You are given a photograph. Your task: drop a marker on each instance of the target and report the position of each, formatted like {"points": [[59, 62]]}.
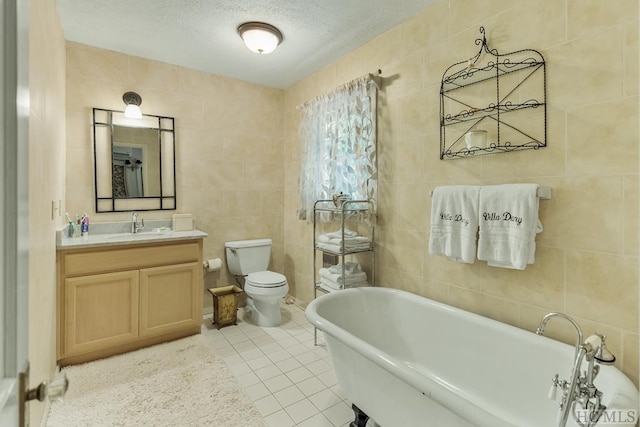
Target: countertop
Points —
{"points": [[115, 239]]}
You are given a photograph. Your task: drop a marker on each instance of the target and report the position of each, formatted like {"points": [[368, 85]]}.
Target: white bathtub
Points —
{"points": [[409, 361]]}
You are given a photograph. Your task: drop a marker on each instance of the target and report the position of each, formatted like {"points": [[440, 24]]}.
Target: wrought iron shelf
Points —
{"points": [[474, 114], [500, 84], [492, 148], [492, 70]]}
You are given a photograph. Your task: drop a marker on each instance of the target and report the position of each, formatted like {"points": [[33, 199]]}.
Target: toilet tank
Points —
{"points": [[248, 256]]}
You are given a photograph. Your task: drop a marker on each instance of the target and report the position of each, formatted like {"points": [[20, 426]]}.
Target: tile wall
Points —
{"points": [[587, 257], [229, 145], [234, 137]]}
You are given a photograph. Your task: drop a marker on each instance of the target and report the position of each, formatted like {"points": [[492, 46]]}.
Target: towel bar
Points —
{"points": [[542, 193]]}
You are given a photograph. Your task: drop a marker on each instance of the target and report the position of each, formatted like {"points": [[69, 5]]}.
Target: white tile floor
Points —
{"points": [[290, 380]]}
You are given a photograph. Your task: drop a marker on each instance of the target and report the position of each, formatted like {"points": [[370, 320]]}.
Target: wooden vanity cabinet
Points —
{"points": [[115, 299]]}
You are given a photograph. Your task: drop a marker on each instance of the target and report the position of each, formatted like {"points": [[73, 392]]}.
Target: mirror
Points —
{"points": [[134, 162]]}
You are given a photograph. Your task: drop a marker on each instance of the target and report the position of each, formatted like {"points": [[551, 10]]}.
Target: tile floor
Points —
{"points": [[290, 380]]}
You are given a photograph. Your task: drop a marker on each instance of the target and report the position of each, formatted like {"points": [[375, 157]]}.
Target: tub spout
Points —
{"points": [[549, 316]]}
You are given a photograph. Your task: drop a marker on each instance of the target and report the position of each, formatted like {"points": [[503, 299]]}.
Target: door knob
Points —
{"points": [[55, 389]]}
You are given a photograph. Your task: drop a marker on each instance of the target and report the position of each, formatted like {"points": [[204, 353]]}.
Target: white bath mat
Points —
{"points": [[180, 383]]}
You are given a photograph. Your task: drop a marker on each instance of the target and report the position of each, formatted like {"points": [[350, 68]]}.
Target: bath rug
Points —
{"points": [[180, 383]]}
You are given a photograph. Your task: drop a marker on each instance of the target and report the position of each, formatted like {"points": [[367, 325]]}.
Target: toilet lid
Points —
{"points": [[266, 279]]}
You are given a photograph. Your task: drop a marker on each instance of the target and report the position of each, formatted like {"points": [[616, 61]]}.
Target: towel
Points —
{"points": [[348, 279], [350, 241], [337, 248], [333, 286], [349, 268], [508, 225], [338, 234], [454, 222]]}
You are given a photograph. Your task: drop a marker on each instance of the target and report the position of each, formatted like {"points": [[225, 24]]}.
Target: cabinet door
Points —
{"points": [[170, 298], [100, 311]]}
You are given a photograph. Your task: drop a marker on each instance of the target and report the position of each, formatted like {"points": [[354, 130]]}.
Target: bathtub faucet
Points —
{"points": [[580, 390], [549, 316]]}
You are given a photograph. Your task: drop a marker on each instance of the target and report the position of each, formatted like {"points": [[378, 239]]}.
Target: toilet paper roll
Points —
{"points": [[214, 264]]}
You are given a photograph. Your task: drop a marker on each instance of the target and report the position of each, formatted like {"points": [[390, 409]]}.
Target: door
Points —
{"points": [[14, 203], [100, 311], [170, 299]]}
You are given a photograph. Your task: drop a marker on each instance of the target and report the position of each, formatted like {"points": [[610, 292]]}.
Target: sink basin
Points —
{"points": [[138, 236]]}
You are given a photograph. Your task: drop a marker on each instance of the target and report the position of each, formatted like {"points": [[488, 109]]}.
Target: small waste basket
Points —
{"points": [[225, 305]]}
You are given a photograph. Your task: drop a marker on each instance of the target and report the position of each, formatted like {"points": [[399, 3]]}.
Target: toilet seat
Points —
{"points": [[266, 279]]}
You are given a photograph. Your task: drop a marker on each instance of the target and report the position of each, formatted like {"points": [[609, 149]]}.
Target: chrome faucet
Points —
{"points": [[549, 316], [580, 390], [134, 223]]}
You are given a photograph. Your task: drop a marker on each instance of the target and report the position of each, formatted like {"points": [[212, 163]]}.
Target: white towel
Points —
{"points": [[349, 268], [349, 279], [337, 249], [323, 238], [331, 285], [338, 234], [508, 225], [350, 240], [454, 222]]}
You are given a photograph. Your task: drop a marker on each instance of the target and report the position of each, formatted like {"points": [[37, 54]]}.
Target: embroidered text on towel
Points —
{"points": [[506, 216], [455, 218]]}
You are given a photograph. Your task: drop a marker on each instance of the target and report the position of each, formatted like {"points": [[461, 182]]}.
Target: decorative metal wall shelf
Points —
{"points": [[502, 94]]}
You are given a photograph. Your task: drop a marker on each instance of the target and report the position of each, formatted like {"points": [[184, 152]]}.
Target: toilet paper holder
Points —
{"points": [[213, 264]]}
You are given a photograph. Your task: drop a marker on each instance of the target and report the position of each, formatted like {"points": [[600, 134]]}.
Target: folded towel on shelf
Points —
{"points": [[508, 225], [338, 234], [454, 222], [336, 248], [349, 268], [348, 279], [323, 238], [333, 286], [355, 240]]}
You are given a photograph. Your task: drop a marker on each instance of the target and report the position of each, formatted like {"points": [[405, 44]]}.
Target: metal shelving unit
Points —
{"points": [[342, 212]]}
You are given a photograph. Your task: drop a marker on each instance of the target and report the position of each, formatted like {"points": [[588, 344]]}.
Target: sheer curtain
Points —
{"points": [[338, 146]]}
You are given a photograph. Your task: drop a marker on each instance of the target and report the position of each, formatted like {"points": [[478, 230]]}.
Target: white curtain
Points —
{"points": [[133, 181], [338, 146]]}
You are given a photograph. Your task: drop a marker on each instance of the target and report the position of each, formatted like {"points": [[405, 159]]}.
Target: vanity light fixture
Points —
{"points": [[132, 101], [260, 37]]}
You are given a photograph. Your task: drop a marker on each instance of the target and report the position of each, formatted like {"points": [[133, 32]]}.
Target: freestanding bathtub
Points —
{"points": [[409, 361]]}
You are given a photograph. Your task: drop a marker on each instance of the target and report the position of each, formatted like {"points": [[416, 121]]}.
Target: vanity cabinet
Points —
{"points": [[119, 298], [170, 299]]}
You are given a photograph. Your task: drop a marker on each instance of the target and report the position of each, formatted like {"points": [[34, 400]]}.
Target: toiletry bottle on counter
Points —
{"points": [[76, 226], [70, 227], [85, 225]]}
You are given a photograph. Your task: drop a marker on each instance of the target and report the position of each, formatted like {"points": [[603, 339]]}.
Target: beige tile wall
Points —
{"points": [[229, 145], [587, 256], [46, 184], [233, 136]]}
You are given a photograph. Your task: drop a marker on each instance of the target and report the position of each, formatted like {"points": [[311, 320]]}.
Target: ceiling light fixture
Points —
{"points": [[132, 100], [260, 37]]}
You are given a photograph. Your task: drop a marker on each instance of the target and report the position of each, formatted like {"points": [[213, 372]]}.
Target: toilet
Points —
{"points": [[264, 288]]}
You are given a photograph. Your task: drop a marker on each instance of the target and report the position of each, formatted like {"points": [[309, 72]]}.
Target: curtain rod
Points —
{"points": [[370, 76]]}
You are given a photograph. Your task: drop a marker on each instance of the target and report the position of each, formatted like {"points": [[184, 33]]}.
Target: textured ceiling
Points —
{"points": [[201, 34]]}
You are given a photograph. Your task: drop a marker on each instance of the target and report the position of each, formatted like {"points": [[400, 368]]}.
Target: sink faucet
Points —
{"points": [[134, 223], [580, 389]]}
